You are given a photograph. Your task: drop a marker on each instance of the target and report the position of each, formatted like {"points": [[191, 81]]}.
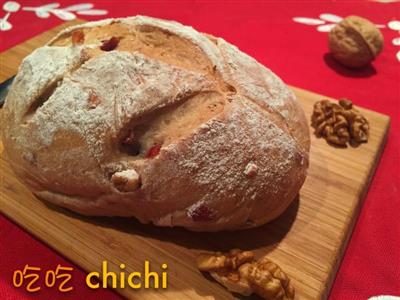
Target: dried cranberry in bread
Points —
{"points": [[149, 118]]}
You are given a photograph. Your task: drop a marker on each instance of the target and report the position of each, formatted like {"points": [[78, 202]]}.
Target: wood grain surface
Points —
{"points": [[307, 241]]}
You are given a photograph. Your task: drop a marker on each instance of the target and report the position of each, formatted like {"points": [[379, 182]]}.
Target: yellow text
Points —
{"points": [[121, 279]]}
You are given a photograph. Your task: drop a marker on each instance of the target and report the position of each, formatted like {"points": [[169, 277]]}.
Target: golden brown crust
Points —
{"points": [[161, 123]]}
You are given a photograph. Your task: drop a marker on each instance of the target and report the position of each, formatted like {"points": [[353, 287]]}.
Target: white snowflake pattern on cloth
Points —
{"points": [[44, 11], [385, 1], [395, 25], [384, 297]]}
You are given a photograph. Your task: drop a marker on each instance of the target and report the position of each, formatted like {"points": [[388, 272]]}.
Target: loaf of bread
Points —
{"points": [[149, 118]]}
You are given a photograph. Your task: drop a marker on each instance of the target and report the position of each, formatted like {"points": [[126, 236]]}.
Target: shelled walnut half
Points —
{"points": [[339, 123], [239, 272]]}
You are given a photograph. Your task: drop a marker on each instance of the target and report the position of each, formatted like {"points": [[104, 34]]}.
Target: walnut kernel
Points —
{"points": [[239, 272], [232, 260], [339, 123], [126, 181], [269, 281], [251, 169], [78, 37]]}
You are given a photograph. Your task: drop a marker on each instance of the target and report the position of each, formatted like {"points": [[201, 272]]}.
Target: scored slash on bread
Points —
{"points": [[200, 123]]}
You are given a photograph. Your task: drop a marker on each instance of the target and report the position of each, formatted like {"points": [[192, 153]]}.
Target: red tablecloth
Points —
{"points": [[297, 53]]}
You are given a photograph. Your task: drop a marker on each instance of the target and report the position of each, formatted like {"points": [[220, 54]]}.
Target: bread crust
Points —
{"points": [[233, 140]]}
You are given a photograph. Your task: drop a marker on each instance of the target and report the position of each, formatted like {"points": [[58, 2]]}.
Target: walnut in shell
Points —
{"points": [[355, 42], [239, 272]]}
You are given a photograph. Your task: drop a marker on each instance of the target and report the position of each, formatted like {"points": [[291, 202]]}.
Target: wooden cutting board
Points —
{"points": [[307, 241]]}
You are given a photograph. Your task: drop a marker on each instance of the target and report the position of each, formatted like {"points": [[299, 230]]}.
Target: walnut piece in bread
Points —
{"points": [[149, 118], [240, 273], [127, 180]]}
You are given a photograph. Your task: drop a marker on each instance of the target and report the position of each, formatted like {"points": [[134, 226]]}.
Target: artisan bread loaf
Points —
{"points": [[149, 118]]}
